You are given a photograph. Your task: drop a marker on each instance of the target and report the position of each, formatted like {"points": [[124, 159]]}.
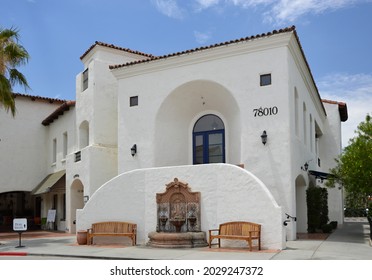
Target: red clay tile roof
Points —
{"points": [[58, 112], [116, 48], [152, 58], [342, 108], [34, 97]]}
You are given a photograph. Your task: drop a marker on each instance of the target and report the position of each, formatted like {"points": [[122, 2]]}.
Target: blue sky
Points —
{"points": [[336, 36]]}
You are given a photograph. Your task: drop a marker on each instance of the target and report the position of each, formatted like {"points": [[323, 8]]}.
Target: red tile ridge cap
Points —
{"points": [[36, 97], [333, 102], [97, 43]]}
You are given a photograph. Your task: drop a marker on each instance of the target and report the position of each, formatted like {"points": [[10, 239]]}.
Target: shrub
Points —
{"points": [[317, 208]]}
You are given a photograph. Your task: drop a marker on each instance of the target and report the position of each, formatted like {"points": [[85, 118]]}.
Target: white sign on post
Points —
{"points": [[20, 224], [51, 216]]}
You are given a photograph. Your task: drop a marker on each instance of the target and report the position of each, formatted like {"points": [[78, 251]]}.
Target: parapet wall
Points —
{"points": [[228, 193]]}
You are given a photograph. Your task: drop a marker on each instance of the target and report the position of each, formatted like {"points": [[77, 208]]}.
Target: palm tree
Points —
{"points": [[12, 55]]}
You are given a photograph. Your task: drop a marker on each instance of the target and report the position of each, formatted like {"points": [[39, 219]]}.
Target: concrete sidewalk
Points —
{"points": [[349, 241]]}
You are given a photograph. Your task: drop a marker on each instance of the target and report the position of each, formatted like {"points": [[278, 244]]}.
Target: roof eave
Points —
{"points": [[111, 46], [58, 112], [342, 108]]}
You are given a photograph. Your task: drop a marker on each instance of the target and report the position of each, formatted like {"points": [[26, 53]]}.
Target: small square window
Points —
{"points": [[265, 79], [133, 101]]}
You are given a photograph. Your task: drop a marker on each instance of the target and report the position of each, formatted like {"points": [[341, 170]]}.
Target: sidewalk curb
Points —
{"points": [[13, 254], [87, 257]]}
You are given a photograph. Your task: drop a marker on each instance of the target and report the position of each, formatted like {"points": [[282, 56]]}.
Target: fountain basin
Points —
{"points": [[177, 239], [178, 223]]}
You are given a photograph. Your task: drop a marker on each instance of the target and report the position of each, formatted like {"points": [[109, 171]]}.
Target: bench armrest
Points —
{"points": [[211, 230]]}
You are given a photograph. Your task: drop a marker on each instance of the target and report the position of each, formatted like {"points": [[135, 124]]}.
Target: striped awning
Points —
{"points": [[52, 182]]}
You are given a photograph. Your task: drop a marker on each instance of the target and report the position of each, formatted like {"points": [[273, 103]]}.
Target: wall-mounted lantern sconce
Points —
{"points": [[133, 150], [305, 167], [86, 198], [264, 137]]}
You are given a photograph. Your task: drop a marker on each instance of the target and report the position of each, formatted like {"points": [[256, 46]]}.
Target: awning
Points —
{"points": [[320, 175], [52, 182]]}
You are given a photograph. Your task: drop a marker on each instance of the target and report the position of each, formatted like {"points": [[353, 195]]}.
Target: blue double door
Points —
{"points": [[209, 140]]}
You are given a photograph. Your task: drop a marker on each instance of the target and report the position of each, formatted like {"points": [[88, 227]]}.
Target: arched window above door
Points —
{"points": [[209, 140]]}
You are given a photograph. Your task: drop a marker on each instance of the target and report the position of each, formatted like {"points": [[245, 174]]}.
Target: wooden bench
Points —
{"points": [[112, 229], [237, 230]]}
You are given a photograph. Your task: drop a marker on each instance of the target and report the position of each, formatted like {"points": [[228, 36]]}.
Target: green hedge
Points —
{"points": [[317, 208]]}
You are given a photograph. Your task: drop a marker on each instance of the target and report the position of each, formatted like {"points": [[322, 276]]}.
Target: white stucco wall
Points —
{"points": [[56, 131], [24, 157], [228, 193], [175, 92], [98, 103], [60, 130], [172, 98], [332, 148]]}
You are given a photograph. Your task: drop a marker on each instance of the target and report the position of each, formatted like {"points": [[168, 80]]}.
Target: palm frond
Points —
{"points": [[17, 78], [15, 55], [7, 34], [12, 55], [6, 95]]}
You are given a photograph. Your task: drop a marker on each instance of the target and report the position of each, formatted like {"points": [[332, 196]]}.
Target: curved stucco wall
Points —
{"points": [[178, 114], [228, 193]]}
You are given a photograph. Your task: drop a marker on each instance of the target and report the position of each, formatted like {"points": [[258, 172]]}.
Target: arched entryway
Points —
{"points": [[209, 140], [76, 201], [301, 206]]}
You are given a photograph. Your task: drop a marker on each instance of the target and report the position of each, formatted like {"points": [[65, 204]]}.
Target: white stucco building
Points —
{"points": [[177, 113]]}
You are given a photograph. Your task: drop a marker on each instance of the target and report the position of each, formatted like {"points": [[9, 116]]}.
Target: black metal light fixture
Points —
{"points": [[305, 167], [264, 137], [86, 198], [133, 150]]}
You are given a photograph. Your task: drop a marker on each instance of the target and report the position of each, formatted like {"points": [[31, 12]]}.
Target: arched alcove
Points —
{"points": [[84, 134], [178, 114], [76, 201], [301, 207]]}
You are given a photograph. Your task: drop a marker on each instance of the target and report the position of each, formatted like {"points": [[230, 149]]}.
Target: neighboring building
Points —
{"points": [[30, 153], [141, 120]]}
